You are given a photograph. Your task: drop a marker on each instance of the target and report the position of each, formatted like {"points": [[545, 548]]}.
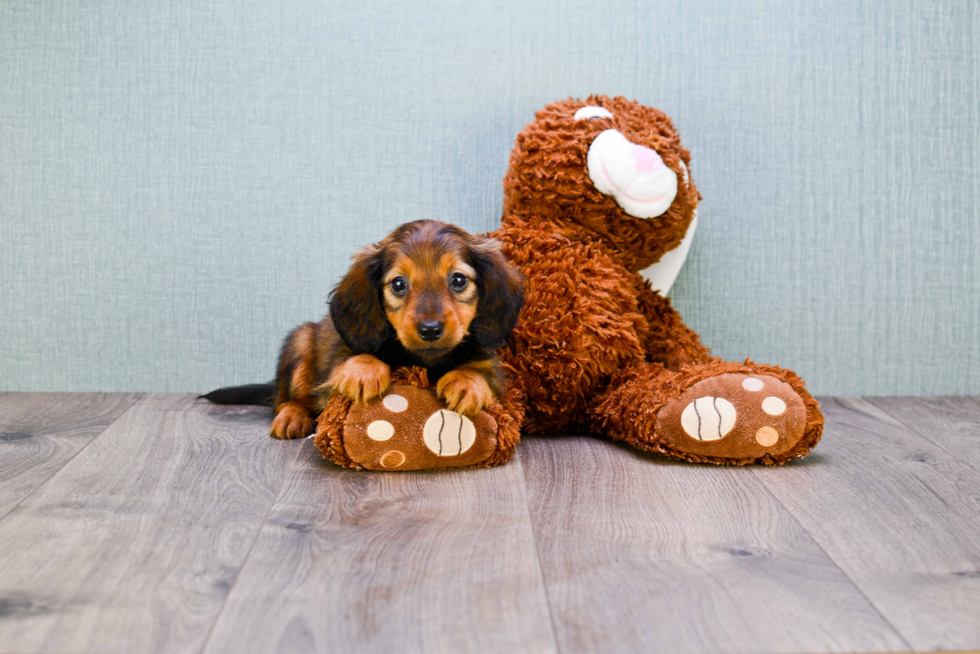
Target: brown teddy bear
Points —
{"points": [[597, 192]]}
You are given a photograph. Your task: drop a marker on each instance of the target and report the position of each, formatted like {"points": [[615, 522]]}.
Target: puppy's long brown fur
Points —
{"points": [[430, 295]]}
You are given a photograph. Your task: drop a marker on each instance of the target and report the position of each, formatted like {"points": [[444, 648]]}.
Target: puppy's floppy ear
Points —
{"points": [[355, 303], [501, 288]]}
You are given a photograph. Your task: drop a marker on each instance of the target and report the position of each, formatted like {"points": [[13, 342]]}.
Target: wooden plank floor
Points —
{"points": [[159, 523]]}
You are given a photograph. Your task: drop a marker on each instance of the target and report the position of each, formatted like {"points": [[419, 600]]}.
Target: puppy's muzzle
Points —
{"points": [[430, 330]]}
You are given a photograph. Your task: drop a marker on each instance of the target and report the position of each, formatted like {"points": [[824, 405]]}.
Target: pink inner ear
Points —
{"points": [[646, 159]]}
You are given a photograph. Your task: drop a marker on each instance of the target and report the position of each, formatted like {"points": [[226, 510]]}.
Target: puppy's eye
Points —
{"points": [[398, 286], [458, 281]]}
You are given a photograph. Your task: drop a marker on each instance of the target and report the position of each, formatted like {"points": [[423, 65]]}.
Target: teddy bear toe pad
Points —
{"points": [[734, 415], [411, 429]]}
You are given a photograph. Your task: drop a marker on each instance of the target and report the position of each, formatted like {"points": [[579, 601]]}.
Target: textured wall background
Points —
{"points": [[181, 183]]}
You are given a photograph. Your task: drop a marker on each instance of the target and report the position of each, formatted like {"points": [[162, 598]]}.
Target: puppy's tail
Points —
{"points": [[262, 394]]}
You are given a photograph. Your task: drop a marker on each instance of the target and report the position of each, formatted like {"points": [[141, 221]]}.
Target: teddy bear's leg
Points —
{"points": [[667, 339], [714, 412]]}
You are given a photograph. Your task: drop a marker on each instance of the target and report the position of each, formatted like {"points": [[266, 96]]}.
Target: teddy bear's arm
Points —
{"points": [[668, 340]]}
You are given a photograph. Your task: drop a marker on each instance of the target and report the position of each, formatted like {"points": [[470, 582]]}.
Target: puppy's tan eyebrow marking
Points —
{"points": [[450, 262], [467, 270], [398, 269]]}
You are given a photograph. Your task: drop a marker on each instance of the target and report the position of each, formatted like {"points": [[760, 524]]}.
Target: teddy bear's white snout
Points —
{"points": [[643, 185]]}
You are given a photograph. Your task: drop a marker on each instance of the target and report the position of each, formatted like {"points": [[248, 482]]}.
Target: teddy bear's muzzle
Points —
{"points": [[636, 176]]}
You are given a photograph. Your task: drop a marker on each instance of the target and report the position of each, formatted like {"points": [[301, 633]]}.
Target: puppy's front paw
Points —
{"points": [[464, 391], [361, 378], [292, 421]]}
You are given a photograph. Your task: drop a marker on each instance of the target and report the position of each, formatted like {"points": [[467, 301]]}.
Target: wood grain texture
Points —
{"points": [[40, 432], [183, 527], [640, 554], [898, 513], [350, 561], [952, 423], [133, 545]]}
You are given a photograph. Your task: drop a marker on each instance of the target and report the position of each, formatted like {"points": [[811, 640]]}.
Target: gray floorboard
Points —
{"points": [[439, 561], [952, 423], [134, 544], [164, 524], [900, 516], [641, 554], [41, 432]]}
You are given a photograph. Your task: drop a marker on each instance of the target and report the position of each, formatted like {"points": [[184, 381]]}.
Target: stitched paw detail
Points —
{"points": [[734, 415], [447, 433], [411, 429], [708, 418]]}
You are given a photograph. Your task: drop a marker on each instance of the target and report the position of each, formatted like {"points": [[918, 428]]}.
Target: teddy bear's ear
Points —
{"points": [[501, 288], [355, 304]]}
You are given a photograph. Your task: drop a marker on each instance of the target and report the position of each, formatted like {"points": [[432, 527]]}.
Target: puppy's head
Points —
{"points": [[430, 285]]}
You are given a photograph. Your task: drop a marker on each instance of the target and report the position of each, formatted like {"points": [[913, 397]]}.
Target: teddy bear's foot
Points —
{"points": [[410, 428], [734, 416], [715, 411]]}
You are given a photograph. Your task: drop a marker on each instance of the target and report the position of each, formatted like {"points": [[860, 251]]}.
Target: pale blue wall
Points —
{"points": [[182, 182]]}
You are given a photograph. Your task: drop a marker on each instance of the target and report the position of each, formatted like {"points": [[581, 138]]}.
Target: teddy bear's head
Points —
{"points": [[604, 167]]}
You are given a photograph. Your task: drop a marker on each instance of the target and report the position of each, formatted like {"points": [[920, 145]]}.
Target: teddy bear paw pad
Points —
{"points": [[447, 433], [411, 429], [734, 415]]}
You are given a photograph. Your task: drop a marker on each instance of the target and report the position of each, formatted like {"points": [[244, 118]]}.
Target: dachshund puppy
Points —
{"points": [[429, 295]]}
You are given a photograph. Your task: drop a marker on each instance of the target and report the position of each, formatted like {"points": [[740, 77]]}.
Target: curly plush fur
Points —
{"points": [[595, 347]]}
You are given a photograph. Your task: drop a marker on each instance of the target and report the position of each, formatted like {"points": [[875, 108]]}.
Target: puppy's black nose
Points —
{"points": [[430, 330]]}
